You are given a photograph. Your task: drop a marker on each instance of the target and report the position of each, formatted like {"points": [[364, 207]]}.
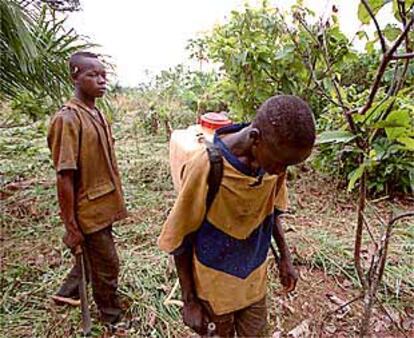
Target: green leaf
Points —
{"points": [[391, 32], [375, 5], [407, 141], [355, 176], [337, 136], [281, 54], [389, 124], [375, 112], [362, 35], [401, 118], [369, 46]]}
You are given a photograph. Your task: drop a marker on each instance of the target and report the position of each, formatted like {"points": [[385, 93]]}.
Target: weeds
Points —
{"points": [[34, 260]]}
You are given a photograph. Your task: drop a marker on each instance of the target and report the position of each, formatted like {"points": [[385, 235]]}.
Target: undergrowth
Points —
{"points": [[34, 260]]}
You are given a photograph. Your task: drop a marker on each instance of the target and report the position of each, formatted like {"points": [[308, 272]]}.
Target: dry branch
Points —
{"points": [[380, 35]]}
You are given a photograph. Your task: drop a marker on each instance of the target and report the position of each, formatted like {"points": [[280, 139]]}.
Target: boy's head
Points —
{"points": [[88, 74], [286, 133]]}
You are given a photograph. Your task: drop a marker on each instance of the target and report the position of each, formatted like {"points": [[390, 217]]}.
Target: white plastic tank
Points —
{"points": [[185, 142]]}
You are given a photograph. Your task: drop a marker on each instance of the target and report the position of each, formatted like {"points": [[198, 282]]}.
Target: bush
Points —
{"points": [[390, 161], [32, 106], [174, 99]]}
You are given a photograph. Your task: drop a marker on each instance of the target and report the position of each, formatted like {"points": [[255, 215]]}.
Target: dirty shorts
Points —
{"points": [[248, 322]]}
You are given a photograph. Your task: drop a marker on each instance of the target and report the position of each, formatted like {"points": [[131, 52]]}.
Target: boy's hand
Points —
{"points": [[194, 316], [73, 237], [288, 275]]}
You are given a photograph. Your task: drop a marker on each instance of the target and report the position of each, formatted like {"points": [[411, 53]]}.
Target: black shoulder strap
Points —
{"points": [[213, 180], [216, 172]]}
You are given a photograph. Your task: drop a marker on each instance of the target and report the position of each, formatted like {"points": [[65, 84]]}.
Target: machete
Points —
{"points": [[86, 315]]}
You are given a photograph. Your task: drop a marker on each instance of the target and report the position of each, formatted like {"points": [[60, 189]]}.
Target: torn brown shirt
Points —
{"points": [[80, 139]]}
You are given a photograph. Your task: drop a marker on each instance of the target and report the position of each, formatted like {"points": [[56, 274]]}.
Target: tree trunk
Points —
{"points": [[364, 329]]}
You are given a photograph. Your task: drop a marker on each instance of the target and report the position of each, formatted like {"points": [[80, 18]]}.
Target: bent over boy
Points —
{"points": [[89, 186], [220, 253]]}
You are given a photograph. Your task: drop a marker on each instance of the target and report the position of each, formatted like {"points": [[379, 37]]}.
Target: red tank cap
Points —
{"points": [[214, 120]]}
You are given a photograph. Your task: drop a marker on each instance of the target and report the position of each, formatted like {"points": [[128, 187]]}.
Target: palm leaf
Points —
{"points": [[35, 48]]}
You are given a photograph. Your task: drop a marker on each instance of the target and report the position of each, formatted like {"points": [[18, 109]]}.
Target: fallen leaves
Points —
{"points": [[277, 334], [300, 331], [408, 324], [343, 309]]}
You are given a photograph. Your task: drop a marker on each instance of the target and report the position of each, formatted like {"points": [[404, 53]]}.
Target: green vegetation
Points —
{"points": [[363, 102], [175, 97], [34, 48], [35, 260], [261, 55]]}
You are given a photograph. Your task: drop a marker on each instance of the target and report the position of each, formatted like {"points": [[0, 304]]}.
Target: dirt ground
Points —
{"points": [[319, 225]]}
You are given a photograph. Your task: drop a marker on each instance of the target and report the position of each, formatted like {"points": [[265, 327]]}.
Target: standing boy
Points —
{"points": [[89, 186], [220, 253]]}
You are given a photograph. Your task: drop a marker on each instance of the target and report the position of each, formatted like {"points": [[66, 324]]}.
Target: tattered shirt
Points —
{"points": [[80, 139], [230, 244]]}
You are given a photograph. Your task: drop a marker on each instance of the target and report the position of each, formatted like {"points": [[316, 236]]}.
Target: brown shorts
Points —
{"points": [[248, 322]]}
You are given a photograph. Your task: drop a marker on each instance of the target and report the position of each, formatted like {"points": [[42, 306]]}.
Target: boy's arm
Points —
{"points": [[66, 196], [288, 274], [64, 140], [184, 220], [193, 312]]}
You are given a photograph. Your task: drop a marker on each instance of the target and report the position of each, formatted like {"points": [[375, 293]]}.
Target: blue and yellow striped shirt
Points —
{"points": [[231, 242]]}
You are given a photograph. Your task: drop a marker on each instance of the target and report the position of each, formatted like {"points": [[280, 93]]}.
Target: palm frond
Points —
{"points": [[35, 47]]}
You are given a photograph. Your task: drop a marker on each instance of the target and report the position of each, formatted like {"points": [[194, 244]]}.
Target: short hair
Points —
{"points": [[74, 60], [287, 120]]}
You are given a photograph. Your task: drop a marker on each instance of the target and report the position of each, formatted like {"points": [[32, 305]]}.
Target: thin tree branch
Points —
{"points": [[403, 56], [269, 74], [321, 89], [310, 65], [403, 14], [368, 228], [328, 64], [359, 229], [385, 240], [377, 215], [402, 215], [402, 36], [325, 56], [351, 123], [385, 60], [380, 35], [390, 317], [394, 83], [339, 308]]}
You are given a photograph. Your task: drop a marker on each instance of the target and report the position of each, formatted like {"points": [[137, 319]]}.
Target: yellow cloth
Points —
{"points": [[240, 218]]}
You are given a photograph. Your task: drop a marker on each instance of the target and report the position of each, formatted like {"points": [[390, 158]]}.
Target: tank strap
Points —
{"points": [[216, 172]]}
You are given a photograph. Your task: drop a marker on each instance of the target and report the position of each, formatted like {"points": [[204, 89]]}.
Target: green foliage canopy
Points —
{"points": [[35, 47], [263, 52]]}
